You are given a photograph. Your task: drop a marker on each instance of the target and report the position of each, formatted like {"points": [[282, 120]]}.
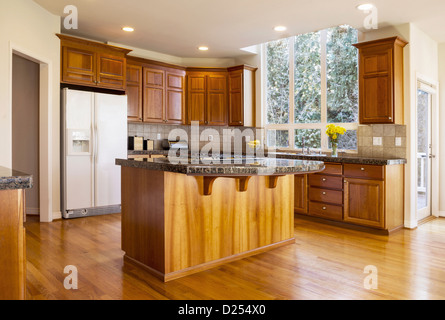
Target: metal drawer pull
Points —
{"points": [[324, 192], [324, 208], [363, 169], [324, 179]]}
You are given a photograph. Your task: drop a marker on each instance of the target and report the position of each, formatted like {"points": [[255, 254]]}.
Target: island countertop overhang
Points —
{"points": [[227, 167]]}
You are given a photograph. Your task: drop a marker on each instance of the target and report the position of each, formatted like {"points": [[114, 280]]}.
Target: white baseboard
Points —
{"points": [[441, 214], [410, 224], [57, 215]]}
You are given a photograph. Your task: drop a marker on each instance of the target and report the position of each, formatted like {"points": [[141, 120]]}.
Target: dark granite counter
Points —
{"points": [[230, 166], [347, 158], [12, 179]]}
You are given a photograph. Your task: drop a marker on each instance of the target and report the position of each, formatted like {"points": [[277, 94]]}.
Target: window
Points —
{"points": [[312, 80]]}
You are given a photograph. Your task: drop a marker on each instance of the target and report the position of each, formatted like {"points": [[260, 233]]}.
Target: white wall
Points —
{"points": [[27, 27], [441, 58]]}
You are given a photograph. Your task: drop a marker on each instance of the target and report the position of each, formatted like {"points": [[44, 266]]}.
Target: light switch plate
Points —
{"points": [[158, 136], [377, 141], [398, 141]]}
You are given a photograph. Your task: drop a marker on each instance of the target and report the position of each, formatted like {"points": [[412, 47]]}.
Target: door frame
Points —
{"points": [[433, 89], [45, 126]]}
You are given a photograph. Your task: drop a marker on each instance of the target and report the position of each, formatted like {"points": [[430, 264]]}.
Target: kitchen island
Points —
{"points": [[12, 233], [178, 219]]}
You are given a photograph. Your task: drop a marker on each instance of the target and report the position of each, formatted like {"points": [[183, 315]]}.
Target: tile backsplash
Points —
{"points": [[382, 140], [222, 135]]}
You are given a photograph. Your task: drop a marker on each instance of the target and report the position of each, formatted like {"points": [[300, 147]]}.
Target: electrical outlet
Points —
{"points": [[377, 141], [210, 137], [398, 141], [158, 136]]}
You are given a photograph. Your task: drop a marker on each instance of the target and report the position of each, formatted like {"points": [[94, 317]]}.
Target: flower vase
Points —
{"points": [[334, 150]]}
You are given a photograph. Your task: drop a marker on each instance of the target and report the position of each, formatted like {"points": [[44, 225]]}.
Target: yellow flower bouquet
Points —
{"points": [[333, 133]]}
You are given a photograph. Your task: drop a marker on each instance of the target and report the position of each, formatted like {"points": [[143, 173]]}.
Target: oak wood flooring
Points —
{"points": [[326, 262]]}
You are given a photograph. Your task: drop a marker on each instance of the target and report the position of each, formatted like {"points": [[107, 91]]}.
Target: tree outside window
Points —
{"points": [[312, 80]]}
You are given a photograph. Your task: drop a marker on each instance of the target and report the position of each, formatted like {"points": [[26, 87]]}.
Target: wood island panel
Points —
{"points": [[171, 229]]}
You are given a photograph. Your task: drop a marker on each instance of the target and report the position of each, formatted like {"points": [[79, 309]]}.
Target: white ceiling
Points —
{"points": [[178, 27]]}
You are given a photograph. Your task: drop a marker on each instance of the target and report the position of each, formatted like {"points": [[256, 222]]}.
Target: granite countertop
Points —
{"points": [[346, 158], [12, 179], [226, 165]]}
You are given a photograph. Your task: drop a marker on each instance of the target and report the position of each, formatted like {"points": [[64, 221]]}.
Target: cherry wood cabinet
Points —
{"points": [[207, 97], [365, 195], [157, 92], [241, 96], [381, 81], [134, 92], [92, 64]]}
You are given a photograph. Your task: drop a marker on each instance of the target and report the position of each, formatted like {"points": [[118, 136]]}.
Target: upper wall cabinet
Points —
{"points": [[242, 96], [381, 81], [207, 96], [92, 64], [155, 91]]}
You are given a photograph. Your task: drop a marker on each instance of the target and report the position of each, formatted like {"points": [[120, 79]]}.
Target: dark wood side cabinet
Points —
{"points": [[381, 81], [241, 96], [92, 64]]}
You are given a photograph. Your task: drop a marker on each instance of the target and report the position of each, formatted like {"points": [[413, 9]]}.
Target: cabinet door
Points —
{"points": [[78, 66], [111, 71], [300, 193], [376, 92], [236, 99], [175, 102], [216, 100], [134, 92], [154, 86], [196, 98], [364, 202]]}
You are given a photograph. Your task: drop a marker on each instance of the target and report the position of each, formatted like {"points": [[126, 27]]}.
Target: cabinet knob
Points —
{"points": [[390, 118], [324, 192], [324, 179], [324, 208], [363, 169]]}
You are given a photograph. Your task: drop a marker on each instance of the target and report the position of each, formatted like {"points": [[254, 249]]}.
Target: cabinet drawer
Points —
{"points": [[326, 195], [325, 181], [326, 210], [364, 171], [332, 168]]}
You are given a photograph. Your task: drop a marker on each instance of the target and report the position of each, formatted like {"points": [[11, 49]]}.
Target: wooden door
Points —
{"points": [[154, 87], [364, 202], [175, 102], [111, 71], [134, 92], [300, 193], [78, 66], [236, 99], [196, 97], [216, 111], [376, 85]]}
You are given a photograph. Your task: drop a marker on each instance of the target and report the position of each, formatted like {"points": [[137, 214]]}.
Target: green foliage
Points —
{"points": [[342, 78], [278, 81], [307, 78]]}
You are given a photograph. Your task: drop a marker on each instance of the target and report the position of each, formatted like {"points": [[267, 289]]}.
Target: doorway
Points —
{"points": [[425, 148], [25, 125]]}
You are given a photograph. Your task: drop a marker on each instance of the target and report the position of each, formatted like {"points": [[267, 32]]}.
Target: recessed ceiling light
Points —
{"points": [[365, 7], [128, 29], [203, 48], [280, 28]]}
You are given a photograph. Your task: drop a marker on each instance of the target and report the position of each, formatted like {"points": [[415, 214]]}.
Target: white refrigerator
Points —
{"points": [[94, 134]]}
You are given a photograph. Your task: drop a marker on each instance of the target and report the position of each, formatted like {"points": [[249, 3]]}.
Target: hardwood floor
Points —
{"points": [[326, 262]]}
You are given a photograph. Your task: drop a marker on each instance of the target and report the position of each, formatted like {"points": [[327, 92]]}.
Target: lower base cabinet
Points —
{"points": [[365, 195]]}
